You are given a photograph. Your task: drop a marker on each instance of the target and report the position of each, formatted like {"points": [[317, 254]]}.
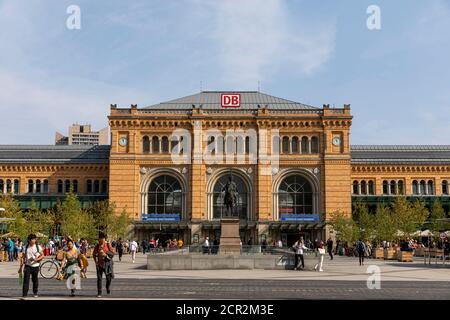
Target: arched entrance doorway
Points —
{"points": [[218, 195]]}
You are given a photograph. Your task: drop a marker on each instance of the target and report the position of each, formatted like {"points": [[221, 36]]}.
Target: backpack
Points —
{"points": [[361, 247]]}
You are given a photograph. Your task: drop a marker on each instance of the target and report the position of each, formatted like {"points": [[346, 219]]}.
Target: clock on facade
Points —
{"points": [[336, 141], [123, 142]]}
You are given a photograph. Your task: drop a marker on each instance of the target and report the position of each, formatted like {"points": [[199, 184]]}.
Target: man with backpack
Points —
{"points": [[361, 249], [31, 259], [103, 254], [299, 248]]}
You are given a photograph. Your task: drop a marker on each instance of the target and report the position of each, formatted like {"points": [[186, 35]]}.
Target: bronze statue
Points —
{"points": [[231, 196]]}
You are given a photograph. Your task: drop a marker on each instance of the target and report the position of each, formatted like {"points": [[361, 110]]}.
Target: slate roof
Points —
{"points": [[54, 154], [407, 154], [249, 101]]}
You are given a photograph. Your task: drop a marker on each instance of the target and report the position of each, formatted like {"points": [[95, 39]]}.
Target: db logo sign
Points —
{"points": [[231, 100]]}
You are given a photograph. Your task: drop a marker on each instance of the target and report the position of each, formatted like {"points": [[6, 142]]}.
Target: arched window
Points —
{"points": [[8, 186], [393, 187], [295, 196], [371, 187], [295, 148], [104, 186], [355, 187], [247, 145], [314, 145], [2, 186], [30, 186], [401, 189], [240, 145], [89, 186], [385, 187], [96, 186], [445, 187], [155, 144], [16, 187], [75, 186], [430, 187], [165, 145], [45, 187], [363, 187], [422, 187], [174, 144], [67, 186], [415, 187], [285, 145], [165, 196], [60, 186], [305, 145], [146, 144], [276, 144], [211, 144], [219, 208], [38, 186], [230, 145]]}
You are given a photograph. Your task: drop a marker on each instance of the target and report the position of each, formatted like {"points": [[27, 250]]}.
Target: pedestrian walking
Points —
{"points": [[11, 250], [30, 259], [361, 249], [103, 255], [321, 254], [299, 248], [330, 247], [120, 248], [70, 265], [133, 249], [206, 246]]}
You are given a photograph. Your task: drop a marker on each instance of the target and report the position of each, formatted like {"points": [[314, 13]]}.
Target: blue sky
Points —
{"points": [[396, 79]]}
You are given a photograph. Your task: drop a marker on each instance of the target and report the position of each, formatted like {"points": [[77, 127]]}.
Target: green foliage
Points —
{"points": [[408, 217], [436, 213], [345, 227], [75, 222], [384, 226], [364, 221], [38, 221]]}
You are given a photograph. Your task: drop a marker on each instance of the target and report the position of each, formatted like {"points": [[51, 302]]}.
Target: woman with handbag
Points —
{"points": [[321, 254], [70, 265], [102, 254]]}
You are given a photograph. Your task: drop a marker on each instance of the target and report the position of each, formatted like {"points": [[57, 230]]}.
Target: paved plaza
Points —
{"points": [[342, 278]]}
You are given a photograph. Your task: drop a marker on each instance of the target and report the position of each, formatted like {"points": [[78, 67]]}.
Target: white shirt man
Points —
{"points": [[299, 247], [32, 254], [133, 249], [280, 244]]}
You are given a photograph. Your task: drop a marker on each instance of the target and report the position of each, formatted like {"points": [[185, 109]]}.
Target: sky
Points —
{"points": [[396, 79]]}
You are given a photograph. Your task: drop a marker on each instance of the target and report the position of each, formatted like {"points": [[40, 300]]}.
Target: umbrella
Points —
{"points": [[9, 235], [426, 233], [41, 235]]}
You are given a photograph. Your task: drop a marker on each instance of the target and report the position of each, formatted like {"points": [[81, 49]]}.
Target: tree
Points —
{"points": [[12, 210], [119, 226], [38, 221], [364, 221], [384, 226], [75, 222], [408, 217], [437, 214], [345, 227]]}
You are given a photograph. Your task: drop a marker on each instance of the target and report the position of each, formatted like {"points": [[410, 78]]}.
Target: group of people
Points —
{"points": [[10, 249], [300, 248], [159, 245], [73, 260]]}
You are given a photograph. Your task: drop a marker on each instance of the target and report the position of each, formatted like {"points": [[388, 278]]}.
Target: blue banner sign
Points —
{"points": [[161, 217], [300, 217]]}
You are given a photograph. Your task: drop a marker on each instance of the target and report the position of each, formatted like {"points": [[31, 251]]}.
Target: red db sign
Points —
{"points": [[231, 100]]}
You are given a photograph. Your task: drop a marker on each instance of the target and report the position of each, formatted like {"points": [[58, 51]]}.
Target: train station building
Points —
{"points": [[168, 163]]}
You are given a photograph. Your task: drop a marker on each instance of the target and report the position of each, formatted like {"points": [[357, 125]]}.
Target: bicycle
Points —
{"points": [[49, 268]]}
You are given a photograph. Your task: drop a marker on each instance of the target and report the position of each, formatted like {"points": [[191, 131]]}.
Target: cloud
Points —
{"points": [[257, 39], [36, 108]]}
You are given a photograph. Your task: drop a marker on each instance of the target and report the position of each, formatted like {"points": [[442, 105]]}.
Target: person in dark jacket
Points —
{"points": [[330, 247], [361, 249]]}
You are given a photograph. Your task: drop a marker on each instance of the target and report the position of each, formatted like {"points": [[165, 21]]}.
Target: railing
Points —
{"points": [[215, 249]]}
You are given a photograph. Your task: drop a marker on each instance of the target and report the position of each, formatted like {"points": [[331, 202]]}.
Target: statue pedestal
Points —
{"points": [[230, 241]]}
